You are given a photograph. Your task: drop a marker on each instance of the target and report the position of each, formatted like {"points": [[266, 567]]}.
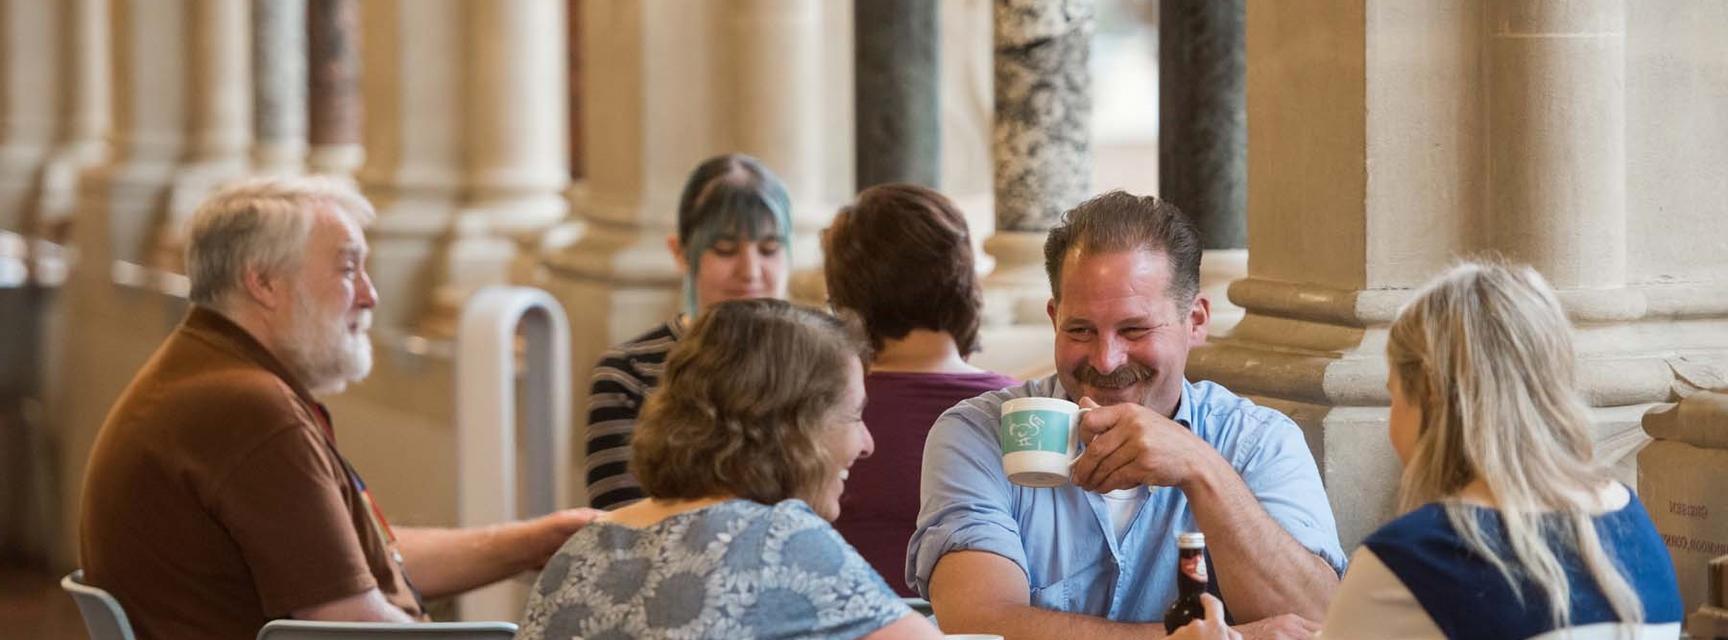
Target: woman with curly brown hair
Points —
{"points": [[743, 453], [900, 257]]}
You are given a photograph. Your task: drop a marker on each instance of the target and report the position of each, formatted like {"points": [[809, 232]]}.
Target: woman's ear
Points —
{"points": [[677, 250]]}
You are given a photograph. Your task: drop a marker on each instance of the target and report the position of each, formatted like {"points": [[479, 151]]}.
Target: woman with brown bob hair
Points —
{"points": [[900, 257], [743, 452]]}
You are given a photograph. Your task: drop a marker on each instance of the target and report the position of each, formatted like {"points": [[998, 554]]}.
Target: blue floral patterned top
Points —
{"points": [[736, 569]]}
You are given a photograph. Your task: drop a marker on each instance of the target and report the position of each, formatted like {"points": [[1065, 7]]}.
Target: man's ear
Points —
{"points": [[677, 250], [1050, 308], [266, 291], [1199, 320]]}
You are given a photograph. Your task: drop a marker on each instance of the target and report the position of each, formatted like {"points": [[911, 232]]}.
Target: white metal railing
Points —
{"points": [[487, 469]]}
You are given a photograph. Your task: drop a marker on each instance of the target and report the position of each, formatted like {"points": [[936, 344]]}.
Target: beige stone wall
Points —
{"points": [[1677, 147], [1387, 139]]}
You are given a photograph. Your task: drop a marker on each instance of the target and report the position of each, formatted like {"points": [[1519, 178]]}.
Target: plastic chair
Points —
{"points": [[103, 617], [316, 630]]}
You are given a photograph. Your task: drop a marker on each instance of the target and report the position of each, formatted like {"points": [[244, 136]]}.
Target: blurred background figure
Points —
{"points": [[901, 258], [734, 219]]}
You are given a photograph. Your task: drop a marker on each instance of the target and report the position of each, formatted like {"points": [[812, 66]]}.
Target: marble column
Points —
{"points": [[333, 60], [897, 85], [279, 60], [1042, 144], [219, 108], [414, 170], [1378, 161], [1202, 116], [517, 160]]}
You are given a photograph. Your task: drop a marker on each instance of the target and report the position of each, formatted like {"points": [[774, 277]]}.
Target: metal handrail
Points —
{"points": [[486, 423]]}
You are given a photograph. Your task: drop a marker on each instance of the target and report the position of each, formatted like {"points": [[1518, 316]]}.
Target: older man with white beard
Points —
{"points": [[216, 498]]}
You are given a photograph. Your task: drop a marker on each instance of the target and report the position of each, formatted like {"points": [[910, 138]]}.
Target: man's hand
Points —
{"points": [[1128, 445], [1211, 627], [1285, 627], [546, 534]]}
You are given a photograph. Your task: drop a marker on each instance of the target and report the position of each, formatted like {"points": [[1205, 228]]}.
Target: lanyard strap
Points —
{"points": [[380, 524]]}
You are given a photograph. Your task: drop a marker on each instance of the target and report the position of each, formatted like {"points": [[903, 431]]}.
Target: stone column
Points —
{"points": [[414, 171], [279, 59], [1202, 116], [29, 108], [151, 85], [647, 118], [1375, 156], [518, 158], [573, 13], [83, 135], [1557, 176], [219, 107], [897, 84], [1042, 144], [774, 47], [333, 58]]}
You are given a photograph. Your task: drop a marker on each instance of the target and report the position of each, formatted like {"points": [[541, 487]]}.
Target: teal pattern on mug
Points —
{"points": [[1035, 430]]}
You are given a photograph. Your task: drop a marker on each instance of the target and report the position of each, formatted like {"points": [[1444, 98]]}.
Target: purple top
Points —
{"points": [[879, 510]]}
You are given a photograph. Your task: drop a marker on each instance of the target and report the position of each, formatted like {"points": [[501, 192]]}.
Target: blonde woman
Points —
{"points": [[1513, 529], [1508, 512], [743, 453]]}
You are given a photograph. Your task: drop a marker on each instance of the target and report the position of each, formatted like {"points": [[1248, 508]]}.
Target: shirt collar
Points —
{"points": [[211, 326], [1185, 412]]}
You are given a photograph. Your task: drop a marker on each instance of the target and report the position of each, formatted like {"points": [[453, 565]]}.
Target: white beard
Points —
{"points": [[321, 350]]}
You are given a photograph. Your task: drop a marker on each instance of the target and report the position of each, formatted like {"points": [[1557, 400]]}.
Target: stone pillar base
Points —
{"points": [[1017, 290], [1319, 355], [336, 160]]}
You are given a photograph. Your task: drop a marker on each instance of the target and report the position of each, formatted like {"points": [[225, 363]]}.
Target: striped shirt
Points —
{"points": [[621, 381]]}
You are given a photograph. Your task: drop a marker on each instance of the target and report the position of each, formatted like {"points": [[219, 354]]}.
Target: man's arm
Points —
{"points": [[366, 606], [1262, 570], [444, 562], [981, 592]]}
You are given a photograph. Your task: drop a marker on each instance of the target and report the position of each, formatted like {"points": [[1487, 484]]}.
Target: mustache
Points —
{"points": [[1124, 376]]}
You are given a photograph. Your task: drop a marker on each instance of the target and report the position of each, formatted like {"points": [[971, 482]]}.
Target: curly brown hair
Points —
{"points": [[901, 258], [744, 404]]}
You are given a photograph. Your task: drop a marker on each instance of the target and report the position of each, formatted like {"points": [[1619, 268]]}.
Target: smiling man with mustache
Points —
{"points": [[1160, 456]]}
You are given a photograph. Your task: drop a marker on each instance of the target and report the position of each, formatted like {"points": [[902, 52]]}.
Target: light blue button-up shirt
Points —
{"points": [[1062, 537]]}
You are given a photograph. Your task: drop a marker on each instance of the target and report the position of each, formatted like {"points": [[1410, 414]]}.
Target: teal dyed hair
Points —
{"points": [[729, 196]]}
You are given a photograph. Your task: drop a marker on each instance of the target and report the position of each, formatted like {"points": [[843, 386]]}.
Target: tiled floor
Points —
{"points": [[32, 607]]}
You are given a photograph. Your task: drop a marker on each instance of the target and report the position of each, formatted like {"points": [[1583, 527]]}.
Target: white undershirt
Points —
{"points": [[1122, 504]]}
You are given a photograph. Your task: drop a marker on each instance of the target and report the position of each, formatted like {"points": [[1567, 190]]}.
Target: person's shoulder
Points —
{"points": [[1214, 401], [214, 393], [1423, 531], [652, 344], [790, 514]]}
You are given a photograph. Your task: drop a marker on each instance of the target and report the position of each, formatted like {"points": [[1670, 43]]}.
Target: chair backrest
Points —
{"points": [[103, 617], [315, 630]]}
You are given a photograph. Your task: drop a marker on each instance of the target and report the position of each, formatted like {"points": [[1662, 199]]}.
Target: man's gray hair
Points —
{"points": [[260, 224]]}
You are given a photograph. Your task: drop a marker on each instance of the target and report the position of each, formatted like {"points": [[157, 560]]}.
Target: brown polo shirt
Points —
{"points": [[215, 499]]}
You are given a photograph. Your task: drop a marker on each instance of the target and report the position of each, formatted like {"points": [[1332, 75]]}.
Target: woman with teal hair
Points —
{"points": [[732, 243]]}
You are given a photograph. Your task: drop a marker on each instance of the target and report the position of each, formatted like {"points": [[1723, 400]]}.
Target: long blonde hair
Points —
{"points": [[1486, 351]]}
